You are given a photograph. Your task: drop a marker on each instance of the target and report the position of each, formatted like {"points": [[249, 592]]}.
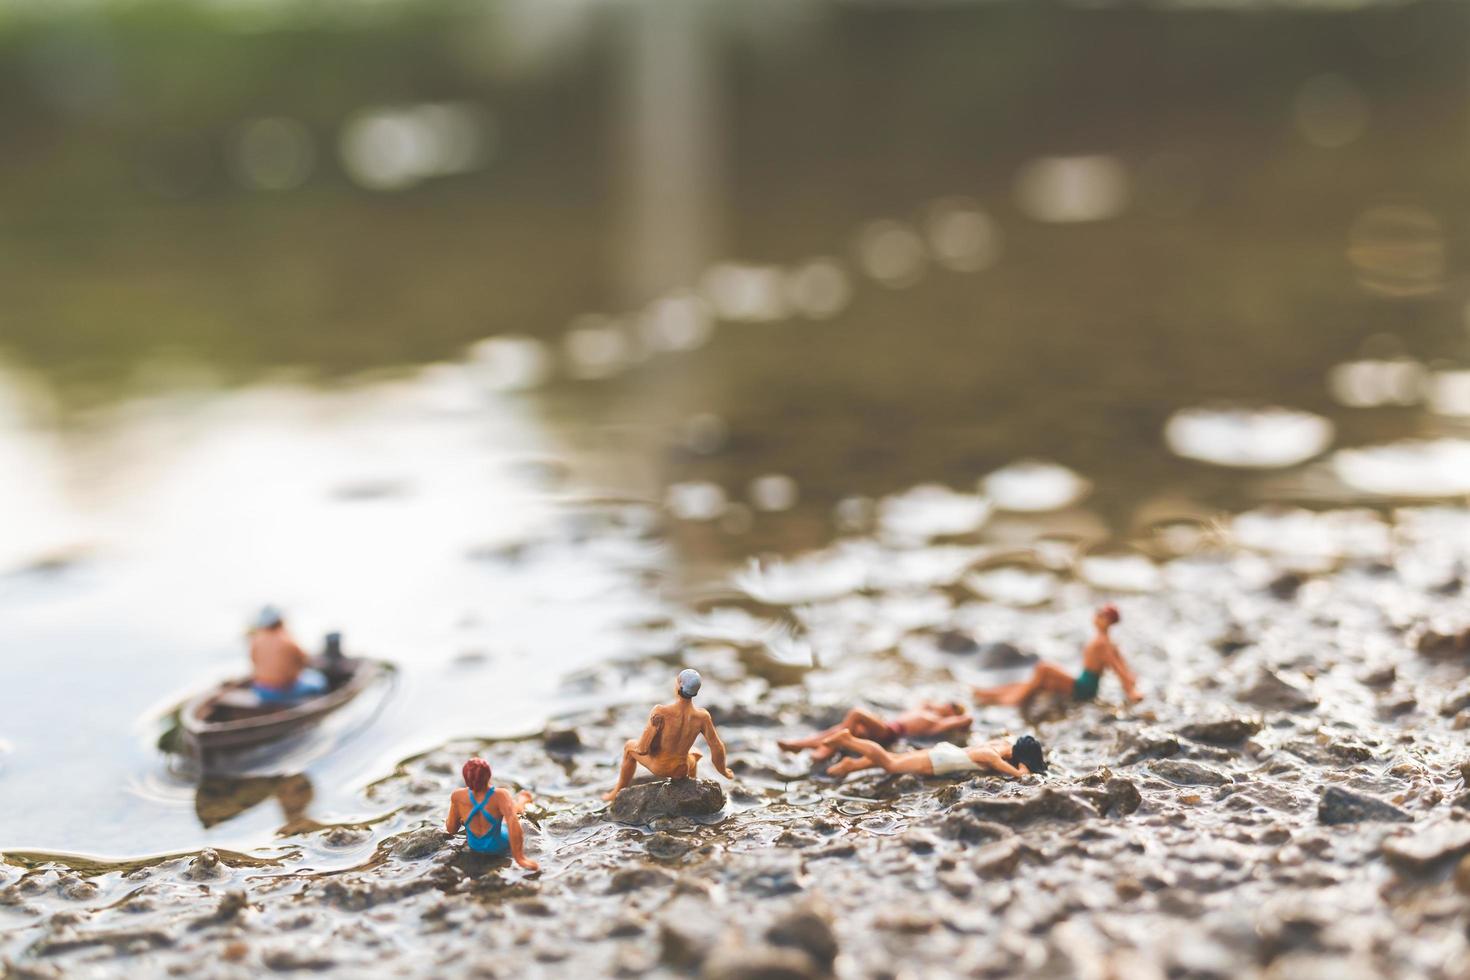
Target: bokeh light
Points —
{"points": [[1330, 111], [1398, 251], [1064, 190]]}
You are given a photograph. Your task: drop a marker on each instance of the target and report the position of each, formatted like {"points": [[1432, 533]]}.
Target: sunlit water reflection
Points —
{"points": [[139, 553]]}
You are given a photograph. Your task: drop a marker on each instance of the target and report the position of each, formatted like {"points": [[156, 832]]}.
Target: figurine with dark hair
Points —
{"points": [[1098, 656], [1017, 758], [664, 748], [491, 817], [929, 718]]}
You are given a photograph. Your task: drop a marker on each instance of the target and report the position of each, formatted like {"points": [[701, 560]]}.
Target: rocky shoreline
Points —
{"points": [[1289, 801]]}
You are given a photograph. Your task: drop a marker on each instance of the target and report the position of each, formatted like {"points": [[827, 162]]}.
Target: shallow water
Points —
{"points": [[995, 279]]}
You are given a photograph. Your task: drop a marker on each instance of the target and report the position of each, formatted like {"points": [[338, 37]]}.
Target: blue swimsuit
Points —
{"points": [[497, 840]]}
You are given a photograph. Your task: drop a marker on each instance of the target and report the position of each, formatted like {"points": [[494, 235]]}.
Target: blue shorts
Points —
{"points": [[309, 684]]}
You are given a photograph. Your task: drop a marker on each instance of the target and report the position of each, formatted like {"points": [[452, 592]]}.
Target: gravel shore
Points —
{"points": [[1288, 801]]}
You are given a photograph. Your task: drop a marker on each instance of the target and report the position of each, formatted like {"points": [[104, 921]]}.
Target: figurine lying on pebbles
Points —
{"points": [[930, 718], [1020, 758]]}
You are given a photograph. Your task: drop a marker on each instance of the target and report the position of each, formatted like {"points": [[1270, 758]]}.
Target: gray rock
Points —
{"points": [[636, 879], [1046, 804], [1435, 644], [1184, 773], [687, 931], [955, 641], [999, 858], [996, 656], [1122, 797], [807, 927], [1379, 676], [1221, 731], [776, 874], [740, 961], [969, 829], [1457, 701], [1343, 806], [1286, 585], [561, 741], [643, 803], [1150, 743], [1045, 706], [667, 847], [1428, 848], [1328, 750], [206, 866], [1271, 690], [419, 843]]}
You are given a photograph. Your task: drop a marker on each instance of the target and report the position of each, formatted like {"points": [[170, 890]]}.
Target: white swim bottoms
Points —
{"points": [[946, 757]]}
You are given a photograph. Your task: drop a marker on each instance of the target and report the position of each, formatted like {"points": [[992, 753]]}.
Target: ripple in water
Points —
{"points": [[1418, 468], [1310, 534], [1034, 486], [1263, 438], [931, 511], [1120, 572], [813, 577], [1013, 585]]}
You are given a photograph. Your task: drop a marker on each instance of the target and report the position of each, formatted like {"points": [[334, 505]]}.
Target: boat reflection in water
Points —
{"points": [[222, 798]]}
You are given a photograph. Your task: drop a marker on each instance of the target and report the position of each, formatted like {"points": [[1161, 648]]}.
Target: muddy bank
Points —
{"points": [[1289, 800]]}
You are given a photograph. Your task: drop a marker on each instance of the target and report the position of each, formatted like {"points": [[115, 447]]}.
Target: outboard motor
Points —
{"points": [[334, 662]]}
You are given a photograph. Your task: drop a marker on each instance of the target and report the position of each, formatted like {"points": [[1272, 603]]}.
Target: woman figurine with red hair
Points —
{"points": [[1099, 655], [491, 817]]}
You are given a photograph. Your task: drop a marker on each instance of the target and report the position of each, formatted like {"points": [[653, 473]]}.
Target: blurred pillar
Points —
{"points": [[669, 126]]}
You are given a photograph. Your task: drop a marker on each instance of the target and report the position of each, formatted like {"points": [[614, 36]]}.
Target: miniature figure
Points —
{"points": [[929, 718], [491, 817], [941, 760], [1099, 655], [664, 749], [281, 671]]}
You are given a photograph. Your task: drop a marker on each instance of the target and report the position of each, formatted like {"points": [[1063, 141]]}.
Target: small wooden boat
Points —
{"points": [[231, 717]]}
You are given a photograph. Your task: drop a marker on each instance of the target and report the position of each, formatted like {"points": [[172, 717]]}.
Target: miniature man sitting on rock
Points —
{"points": [[1098, 656], [928, 719], [491, 817], [280, 665], [664, 749], [1020, 758]]}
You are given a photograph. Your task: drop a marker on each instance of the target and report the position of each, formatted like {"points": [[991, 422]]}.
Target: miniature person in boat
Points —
{"points": [[280, 665], [664, 748], [491, 817]]}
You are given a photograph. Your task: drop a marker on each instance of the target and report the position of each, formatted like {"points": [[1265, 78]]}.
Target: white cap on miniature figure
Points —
{"points": [[689, 681], [269, 617]]}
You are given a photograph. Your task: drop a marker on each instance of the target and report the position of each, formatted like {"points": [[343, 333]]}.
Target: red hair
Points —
{"points": [[1109, 613], [476, 774]]}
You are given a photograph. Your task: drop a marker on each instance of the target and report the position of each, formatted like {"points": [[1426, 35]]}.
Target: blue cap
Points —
{"points": [[689, 681], [269, 617]]}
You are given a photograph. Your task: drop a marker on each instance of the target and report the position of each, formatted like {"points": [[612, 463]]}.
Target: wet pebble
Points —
{"points": [[419, 843], [1221, 731], [1270, 690], [1182, 772], [642, 803], [1429, 847], [561, 741], [1344, 806], [667, 847], [806, 926], [205, 866], [1148, 743]]}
